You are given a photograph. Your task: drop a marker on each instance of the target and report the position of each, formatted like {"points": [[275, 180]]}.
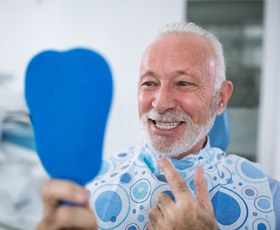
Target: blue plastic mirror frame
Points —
{"points": [[69, 96]]}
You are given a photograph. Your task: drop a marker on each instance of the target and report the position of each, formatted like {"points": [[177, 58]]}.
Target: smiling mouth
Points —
{"points": [[166, 125]]}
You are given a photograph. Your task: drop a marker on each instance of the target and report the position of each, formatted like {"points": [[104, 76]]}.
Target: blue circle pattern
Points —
{"points": [[125, 178], [261, 226], [141, 218], [112, 201], [140, 191], [264, 204], [132, 227], [249, 192], [251, 171], [226, 182]]}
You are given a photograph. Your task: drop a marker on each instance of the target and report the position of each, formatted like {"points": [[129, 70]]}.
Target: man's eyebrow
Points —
{"points": [[181, 72], [148, 73]]}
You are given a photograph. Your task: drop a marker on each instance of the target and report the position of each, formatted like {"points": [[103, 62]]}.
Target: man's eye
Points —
{"points": [[148, 83], [184, 83]]}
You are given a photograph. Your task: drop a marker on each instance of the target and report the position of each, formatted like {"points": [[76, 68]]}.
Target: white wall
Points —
{"points": [[269, 126], [118, 29]]}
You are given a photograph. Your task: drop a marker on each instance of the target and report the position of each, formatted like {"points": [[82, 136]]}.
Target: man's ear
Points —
{"points": [[224, 96]]}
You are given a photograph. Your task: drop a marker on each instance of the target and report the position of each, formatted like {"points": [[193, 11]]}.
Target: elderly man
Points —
{"points": [[176, 180]]}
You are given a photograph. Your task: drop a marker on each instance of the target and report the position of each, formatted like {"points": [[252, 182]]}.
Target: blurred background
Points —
{"points": [[120, 30]]}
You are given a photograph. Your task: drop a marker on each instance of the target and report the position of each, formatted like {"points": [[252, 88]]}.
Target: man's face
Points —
{"points": [[176, 93]]}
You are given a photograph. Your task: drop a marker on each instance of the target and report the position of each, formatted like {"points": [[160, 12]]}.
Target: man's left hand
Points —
{"points": [[185, 212]]}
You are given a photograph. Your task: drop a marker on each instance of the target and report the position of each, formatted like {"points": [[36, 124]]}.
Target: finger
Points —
{"points": [[175, 181], [155, 216], [75, 217], [149, 227], [202, 194], [164, 203], [55, 191]]}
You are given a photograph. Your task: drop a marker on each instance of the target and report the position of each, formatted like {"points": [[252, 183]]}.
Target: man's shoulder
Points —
{"points": [[254, 169], [245, 163], [275, 188], [274, 183], [275, 191], [247, 169]]}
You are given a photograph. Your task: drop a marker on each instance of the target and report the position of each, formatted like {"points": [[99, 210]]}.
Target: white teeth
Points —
{"points": [[161, 125]]}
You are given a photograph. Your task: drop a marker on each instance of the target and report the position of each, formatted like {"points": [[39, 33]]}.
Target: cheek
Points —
{"points": [[189, 106], [144, 103], [195, 109]]}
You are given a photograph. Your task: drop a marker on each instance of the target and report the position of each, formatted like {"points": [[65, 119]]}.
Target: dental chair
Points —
{"points": [[17, 130], [219, 134]]}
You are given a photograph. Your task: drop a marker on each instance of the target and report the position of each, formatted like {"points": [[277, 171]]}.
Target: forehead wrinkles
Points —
{"points": [[207, 70]]}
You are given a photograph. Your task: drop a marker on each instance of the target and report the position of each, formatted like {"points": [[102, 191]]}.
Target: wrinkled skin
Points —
{"points": [[186, 212]]}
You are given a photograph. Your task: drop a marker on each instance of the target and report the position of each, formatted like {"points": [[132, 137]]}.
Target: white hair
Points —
{"points": [[191, 28]]}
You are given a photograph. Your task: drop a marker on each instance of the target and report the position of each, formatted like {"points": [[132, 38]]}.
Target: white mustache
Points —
{"points": [[168, 116]]}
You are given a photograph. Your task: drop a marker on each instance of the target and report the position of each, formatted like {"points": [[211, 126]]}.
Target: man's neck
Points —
{"points": [[200, 145]]}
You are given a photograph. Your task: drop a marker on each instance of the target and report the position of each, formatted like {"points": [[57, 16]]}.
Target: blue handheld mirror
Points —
{"points": [[69, 97]]}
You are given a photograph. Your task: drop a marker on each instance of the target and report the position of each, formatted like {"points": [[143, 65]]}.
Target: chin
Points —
{"points": [[164, 148]]}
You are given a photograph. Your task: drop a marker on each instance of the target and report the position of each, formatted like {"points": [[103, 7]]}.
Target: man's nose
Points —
{"points": [[164, 99]]}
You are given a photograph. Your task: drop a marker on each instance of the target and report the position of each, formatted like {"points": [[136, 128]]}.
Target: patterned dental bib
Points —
{"points": [[129, 182]]}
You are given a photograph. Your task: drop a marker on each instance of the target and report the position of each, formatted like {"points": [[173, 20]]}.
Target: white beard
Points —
{"points": [[169, 147]]}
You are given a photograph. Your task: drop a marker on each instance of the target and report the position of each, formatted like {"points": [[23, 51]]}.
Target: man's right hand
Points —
{"points": [[61, 216]]}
